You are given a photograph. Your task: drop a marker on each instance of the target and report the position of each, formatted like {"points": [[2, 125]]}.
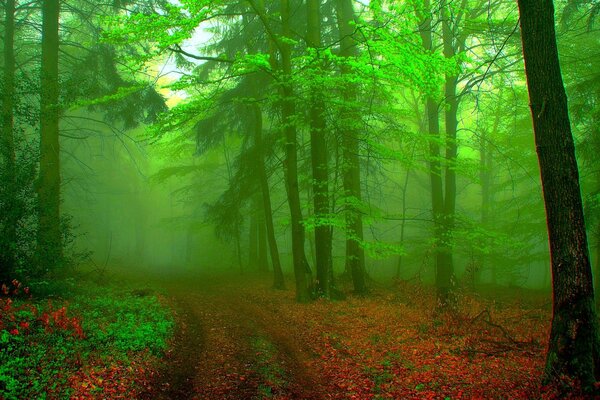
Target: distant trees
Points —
{"points": [[574, 348]]}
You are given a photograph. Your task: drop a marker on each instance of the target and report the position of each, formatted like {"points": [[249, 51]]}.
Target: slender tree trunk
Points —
{"points": [[263, 262], [574, 345], [49, 229], [403, 222], [7, 256], [288, 112], [597, 265], [442, 259], [486, 162], [445, 262], [355, 259], [278, 281], [319, 158], [253, 235]]}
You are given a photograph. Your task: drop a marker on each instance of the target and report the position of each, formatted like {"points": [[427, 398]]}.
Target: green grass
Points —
{"points": [[267, 367], [99, 325]]}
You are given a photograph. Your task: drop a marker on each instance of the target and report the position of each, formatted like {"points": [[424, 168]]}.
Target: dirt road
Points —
{"points": [[227, 347]]}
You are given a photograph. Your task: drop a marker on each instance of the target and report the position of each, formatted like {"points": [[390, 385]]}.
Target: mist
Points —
{"points": [[299, 199]]}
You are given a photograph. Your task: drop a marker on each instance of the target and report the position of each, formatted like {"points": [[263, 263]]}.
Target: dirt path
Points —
{"points": [[226, 347]]}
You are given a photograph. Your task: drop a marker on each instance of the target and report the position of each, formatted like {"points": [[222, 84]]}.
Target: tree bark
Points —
{"points": [[7, 257], [288, 112], [278, 280], [319, 159], [445, 261], [443, 257], [574, 346], [253, 234], [355, 258], [49, 229], [263, 262]]}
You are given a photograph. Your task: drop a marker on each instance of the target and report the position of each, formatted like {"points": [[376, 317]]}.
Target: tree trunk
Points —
{"points": [[288, 112], [263, 262], [7, 256], [278, 281], [253, 235], [319, 159], [49, 229], [486, 162], [355, 258], [597, 264], [445, 261], [442, 261], [574, 342]]}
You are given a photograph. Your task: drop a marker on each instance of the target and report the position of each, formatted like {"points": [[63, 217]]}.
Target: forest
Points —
{"points": [[299, 199]]}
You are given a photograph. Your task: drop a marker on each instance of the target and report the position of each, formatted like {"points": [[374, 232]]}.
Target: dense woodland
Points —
{"points": [[335, 147]]}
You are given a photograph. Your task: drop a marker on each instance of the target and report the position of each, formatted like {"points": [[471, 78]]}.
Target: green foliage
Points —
{"points": [[42, 344]]}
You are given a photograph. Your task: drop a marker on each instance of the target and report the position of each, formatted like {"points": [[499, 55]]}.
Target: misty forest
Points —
{"points": [[299, 199]]}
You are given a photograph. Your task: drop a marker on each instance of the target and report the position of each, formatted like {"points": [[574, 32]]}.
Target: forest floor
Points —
{"points": [[239, 339]]}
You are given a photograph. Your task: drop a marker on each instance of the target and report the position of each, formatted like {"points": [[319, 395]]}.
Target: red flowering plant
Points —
{"points": [[19, 317]]}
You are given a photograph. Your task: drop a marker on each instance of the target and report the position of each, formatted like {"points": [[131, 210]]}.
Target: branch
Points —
{"points": [[178, 49]]}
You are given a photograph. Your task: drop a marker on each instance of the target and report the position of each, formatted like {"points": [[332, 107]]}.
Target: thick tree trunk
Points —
{"points": [[355, 258], [319, 159], [574, 342], [7, 256], [288, 112], [49, 230]]}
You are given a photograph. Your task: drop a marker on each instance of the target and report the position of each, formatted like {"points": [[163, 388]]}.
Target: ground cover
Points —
{"points": [[61, 340]]}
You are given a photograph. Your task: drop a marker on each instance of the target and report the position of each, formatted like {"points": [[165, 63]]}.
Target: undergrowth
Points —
{"points": [[67, 347]]}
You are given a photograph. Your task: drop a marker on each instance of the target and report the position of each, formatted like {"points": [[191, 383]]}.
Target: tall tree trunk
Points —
{"points": [[49, 229], [486, 162], [442, 259], [445, 262], [288, 112], [7, 256], [278, 281], [574, 346], [355, 258], [319, 159]]}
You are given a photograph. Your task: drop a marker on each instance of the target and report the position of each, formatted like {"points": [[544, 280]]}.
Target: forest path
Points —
{"points": [[227, 347]]}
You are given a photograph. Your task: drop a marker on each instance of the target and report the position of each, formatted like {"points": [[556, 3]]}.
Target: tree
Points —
{"points": [[355, 257], [49, 231], [7, 144], [574, 348], [288, 113], [319, 158], [278, 281]]}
